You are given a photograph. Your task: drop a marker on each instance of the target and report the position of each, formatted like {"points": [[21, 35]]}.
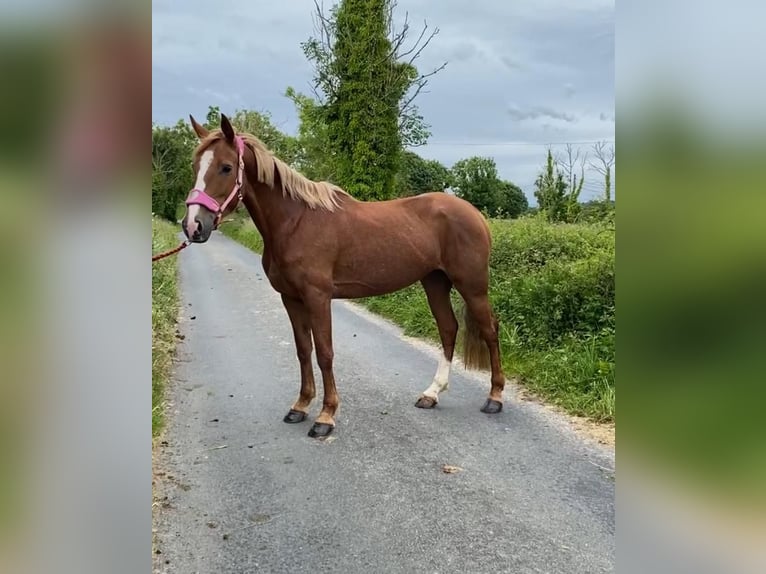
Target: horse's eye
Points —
{"points": [[226, 169]]}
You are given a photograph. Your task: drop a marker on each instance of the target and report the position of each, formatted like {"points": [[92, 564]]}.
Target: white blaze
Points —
{"points": [[193, 210], [441, 379]]}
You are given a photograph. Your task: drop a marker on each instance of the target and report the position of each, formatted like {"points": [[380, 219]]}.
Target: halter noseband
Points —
{"points": [[199, 197]]}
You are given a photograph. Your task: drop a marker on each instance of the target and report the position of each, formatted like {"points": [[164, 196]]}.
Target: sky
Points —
{"points": [[521, 74]]}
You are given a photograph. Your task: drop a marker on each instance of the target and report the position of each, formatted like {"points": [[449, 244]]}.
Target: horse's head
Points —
{"points": [[218, 172]]}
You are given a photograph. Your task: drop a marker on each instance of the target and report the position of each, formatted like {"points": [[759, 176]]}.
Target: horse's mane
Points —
{"points": [[315, 194]]}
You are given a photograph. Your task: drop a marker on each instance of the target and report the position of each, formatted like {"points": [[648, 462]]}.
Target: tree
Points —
{"points": [[603, 164], [366, 83], [172, 175], [572, 164], [313, 157], [550, 191], [320, 50], [511, 201], [475, 180], [417, 175], [213, 118], [260, 125]]}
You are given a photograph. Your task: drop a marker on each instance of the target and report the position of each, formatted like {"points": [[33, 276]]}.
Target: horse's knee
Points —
{"points": [[304, 355], [324, 360]]}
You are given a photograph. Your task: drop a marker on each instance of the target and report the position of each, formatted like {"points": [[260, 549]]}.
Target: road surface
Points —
{"points": [[239, 491]]}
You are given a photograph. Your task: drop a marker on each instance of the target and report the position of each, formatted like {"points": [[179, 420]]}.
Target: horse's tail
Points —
{"points": [[475, 351]]}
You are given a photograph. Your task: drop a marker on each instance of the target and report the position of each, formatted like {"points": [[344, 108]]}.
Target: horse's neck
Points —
{"points": [[271, 212]]}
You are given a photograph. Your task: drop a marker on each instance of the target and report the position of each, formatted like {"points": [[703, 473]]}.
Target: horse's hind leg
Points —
{"points": [[481, 324], [438, 286], [299, 318]]}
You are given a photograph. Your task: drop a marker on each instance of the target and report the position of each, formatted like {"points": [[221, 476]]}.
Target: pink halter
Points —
{"points": [[199, 197]]}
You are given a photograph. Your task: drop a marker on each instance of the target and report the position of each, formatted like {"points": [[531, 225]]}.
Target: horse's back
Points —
{"points": [[436, 205]]}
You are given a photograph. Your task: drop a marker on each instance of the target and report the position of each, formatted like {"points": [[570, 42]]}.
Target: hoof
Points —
{"points": [[320, 430], [425, 402], [491, 407], [294, 417]]}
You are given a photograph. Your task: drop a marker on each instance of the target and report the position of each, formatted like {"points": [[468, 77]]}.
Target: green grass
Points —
{"points": [[552, 288], [243, 230], [164, 315]]}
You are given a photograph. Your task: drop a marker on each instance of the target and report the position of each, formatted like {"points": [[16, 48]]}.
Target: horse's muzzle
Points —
{"points": [[195, 230]]}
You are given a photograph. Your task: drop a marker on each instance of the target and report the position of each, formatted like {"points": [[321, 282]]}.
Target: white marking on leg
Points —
{"points": [[193, 210], [441, 379]]}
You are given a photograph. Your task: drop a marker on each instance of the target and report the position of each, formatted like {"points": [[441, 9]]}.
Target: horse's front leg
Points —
{"points": [[320, 313], [299, 318]]}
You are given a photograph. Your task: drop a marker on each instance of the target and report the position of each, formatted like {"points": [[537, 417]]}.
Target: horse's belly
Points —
{"points": [[370, 277]]}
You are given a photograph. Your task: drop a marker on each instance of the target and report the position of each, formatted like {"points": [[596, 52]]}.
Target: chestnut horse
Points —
{"points": [[319, 244]]}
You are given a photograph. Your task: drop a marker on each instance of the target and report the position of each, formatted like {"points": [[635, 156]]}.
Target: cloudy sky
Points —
{"points": [[521, 74]]}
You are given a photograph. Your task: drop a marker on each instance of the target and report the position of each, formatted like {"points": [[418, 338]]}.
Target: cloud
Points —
{"points": [[536, 112], [510, 63], [470, 49], [466, 50], [215, 95]]}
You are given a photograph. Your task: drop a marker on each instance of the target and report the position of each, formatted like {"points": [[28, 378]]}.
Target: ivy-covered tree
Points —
{"points": [[366, 83]]}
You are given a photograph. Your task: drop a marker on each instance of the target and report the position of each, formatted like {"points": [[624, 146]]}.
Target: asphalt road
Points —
{"points": [[240, 491]]}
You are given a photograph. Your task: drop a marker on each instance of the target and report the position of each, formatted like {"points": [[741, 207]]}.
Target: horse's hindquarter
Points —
{"points": [[386, 246]]}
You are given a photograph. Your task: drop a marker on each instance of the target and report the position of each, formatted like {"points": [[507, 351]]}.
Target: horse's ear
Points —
{"points": [[226, 128], [201, 132]]}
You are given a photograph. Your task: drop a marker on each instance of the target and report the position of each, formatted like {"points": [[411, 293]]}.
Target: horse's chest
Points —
{"points": [[278, 280]]}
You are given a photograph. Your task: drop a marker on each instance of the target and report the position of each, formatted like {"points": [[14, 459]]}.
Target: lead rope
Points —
{"points": [[184, 245]]}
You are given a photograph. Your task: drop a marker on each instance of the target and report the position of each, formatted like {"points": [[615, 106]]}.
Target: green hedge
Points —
{"points": [[551, 281]]}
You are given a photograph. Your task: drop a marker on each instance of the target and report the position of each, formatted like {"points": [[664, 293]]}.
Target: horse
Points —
{"points": [[320, 244]]}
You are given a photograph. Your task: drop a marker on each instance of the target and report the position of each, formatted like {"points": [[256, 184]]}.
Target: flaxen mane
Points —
{"points": [[315, 194]]}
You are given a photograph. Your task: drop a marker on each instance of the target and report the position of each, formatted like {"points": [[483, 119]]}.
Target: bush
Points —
{"points": [[552, 280]]}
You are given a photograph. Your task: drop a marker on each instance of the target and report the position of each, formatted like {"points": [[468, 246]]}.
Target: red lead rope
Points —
{"points": [[173, 251]]}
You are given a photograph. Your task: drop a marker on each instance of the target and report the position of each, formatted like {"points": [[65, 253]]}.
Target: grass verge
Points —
{"points": [[243, 230], [164, 315]]}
